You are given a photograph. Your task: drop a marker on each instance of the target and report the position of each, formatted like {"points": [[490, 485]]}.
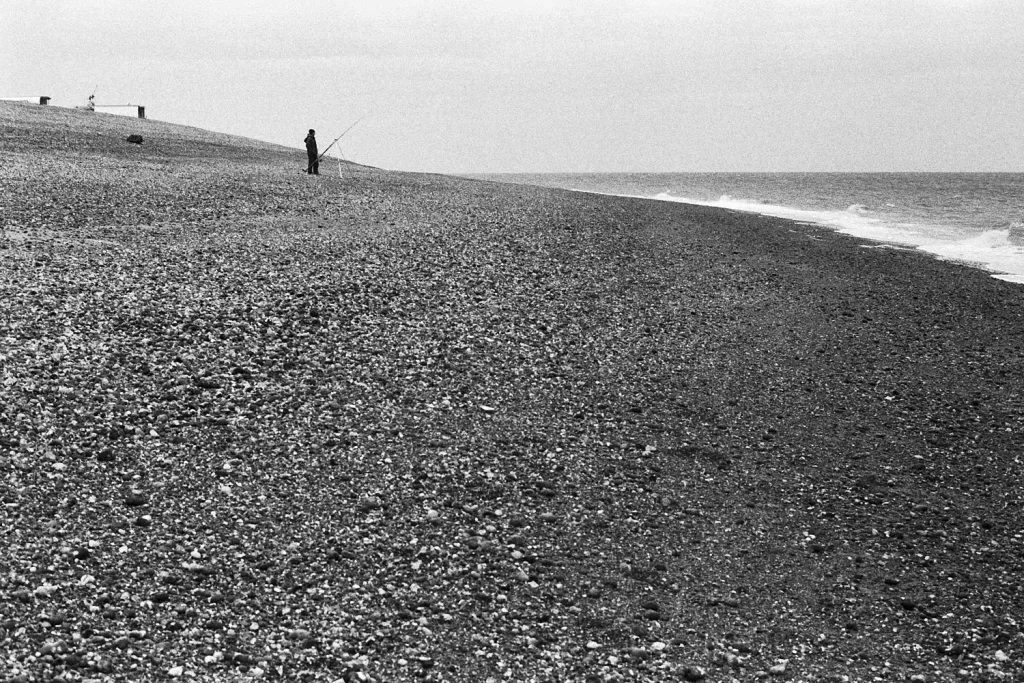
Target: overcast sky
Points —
{"points": [[530, 86]]}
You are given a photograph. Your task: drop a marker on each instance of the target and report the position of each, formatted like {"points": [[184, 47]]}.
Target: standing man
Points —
{"points": [[311, 153]]}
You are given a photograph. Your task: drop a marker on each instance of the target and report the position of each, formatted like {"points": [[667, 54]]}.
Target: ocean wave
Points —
{"points": [[856, 219], [1000, 251], [992, 250]]}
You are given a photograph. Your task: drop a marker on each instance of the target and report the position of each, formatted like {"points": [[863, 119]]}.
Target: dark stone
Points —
{"points": [[136, 500], [135, 139], [693, 673]]}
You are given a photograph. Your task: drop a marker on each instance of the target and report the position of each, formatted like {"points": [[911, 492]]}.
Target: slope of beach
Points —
{"points": [[390, 426]]}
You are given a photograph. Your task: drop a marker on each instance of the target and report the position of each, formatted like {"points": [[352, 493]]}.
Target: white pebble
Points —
{"points": [[45, 591]]}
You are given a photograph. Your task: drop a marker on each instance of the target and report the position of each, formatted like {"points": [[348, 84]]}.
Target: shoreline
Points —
{"points": [[411, 427], [988, 250]]}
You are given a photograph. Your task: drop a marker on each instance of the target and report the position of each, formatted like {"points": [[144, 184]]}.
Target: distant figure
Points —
{"points": [[311, 153], [89, 105]]}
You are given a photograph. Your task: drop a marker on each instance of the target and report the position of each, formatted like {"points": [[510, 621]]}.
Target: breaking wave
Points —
{"points": [[999, 250], [855, 219]]}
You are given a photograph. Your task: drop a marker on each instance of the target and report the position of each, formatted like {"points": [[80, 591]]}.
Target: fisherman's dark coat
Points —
{"points": [[311, 154]]}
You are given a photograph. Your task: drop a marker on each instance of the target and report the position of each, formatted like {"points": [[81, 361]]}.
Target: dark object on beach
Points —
{"points": [[89, 105], [135, 139], [314, 159], [311, 153]]}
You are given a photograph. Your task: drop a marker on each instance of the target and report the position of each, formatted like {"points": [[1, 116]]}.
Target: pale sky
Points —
{"points": [[462, 86]]}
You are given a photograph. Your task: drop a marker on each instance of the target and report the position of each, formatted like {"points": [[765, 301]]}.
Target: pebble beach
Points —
{"points": [[385, 426]]}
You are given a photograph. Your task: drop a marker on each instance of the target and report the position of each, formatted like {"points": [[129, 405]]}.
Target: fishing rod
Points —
{"points": [[336, 139]]}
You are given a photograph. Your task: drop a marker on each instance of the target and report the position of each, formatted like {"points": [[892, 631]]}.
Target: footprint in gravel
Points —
{"points": [[368, 503]]}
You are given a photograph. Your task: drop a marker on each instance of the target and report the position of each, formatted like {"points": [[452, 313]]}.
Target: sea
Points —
{"points": [[971, 218]]}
